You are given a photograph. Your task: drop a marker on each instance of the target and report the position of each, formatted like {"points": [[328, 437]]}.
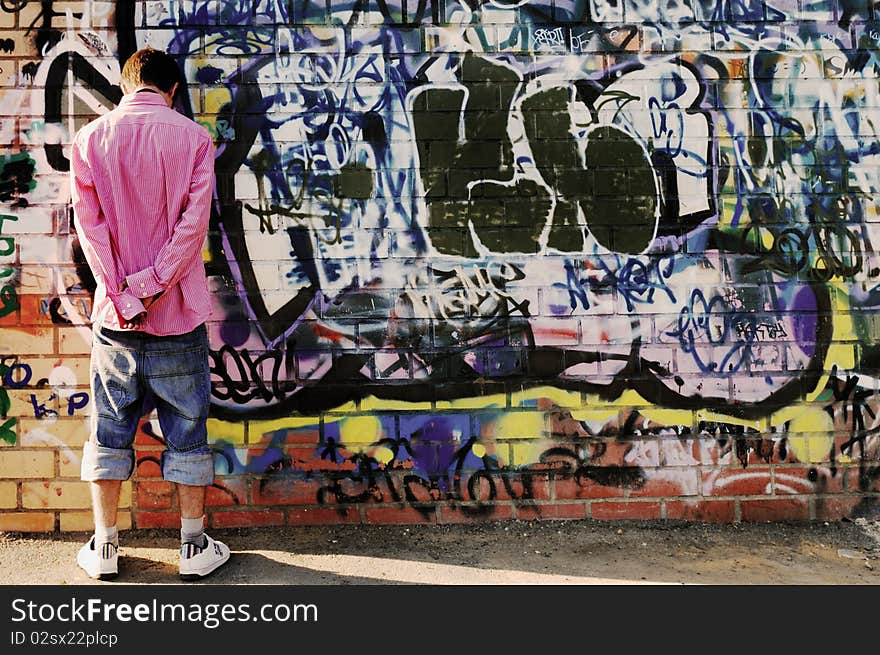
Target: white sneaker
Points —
{"points": [[196, 562], [100, 563]]}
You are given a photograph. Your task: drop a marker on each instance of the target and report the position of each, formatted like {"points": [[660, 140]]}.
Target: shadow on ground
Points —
{"points": [[511, 552]]}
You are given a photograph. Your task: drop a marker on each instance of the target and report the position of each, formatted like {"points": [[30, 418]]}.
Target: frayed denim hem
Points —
{"points": [[103, 463], [193, 469]]}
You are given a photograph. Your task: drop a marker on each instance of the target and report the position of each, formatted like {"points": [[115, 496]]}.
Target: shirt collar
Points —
{"points": [[142, 99]]}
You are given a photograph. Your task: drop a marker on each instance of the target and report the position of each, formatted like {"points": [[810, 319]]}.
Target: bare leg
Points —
{"points": [[192, 501], [199, 554], [105, 501], [97, 557]]}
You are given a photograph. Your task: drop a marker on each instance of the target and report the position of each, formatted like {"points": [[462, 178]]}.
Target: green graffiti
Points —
{"points": [[7, 434], [16, 177], [220, 129], [556, 156], [8, 300], [467, 167], [355, 181], [626, 173], [8, 297]]}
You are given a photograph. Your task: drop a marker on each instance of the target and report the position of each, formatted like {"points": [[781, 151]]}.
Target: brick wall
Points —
{"points": [[476, 260]]}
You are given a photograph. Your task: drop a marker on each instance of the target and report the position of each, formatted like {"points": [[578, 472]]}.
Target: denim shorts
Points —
{"points": [[125, 366]]}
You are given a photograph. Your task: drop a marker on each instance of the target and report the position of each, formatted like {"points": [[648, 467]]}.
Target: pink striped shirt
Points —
{"points": [[142, 180]]}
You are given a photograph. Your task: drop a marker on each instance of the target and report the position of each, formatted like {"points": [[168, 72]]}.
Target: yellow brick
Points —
{"points": [[30, 341], [7, 74], [22, 45], [83, 521], [27, 464], [42, 368], [73, 432], [74, 341], [79, 366], [20, 404], [27, 522], [27, 13], [55, 495], [69, 462], [8, 495], [64, 495], [125, 494], [35, 278]]}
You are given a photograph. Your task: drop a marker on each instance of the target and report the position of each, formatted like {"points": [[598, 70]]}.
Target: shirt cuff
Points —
{"points": [[144, 284], [127, 305]]}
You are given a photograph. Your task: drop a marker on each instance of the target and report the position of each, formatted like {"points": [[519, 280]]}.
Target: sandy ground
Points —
{"points": [[513, 552]]}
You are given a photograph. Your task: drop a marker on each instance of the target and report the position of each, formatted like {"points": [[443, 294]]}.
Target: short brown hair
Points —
{"points": [[153, 67]]}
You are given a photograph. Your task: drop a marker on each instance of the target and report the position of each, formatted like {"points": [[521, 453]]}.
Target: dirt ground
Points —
{"points": [[512, 552]]}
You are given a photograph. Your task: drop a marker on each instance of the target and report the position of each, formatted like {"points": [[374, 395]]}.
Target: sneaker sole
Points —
{"points": [[191, 577], [101, 576], [108, 575]]}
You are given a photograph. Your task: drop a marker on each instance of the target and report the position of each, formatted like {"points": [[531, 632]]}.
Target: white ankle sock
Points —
{"points": [[105, 535], [192, 530]]}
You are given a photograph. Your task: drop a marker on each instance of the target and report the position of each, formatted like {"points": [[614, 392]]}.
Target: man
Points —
{"points": [[142, 183]]}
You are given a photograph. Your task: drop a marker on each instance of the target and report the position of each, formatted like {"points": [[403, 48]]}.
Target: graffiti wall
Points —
{"points": [[476, 260]]}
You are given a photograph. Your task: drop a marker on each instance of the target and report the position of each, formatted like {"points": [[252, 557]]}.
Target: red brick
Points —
{"points": [[323, 515], [155, 494], [304, 436], [844, 479], [664, 488], [279, 490], [552, 511], [797, 481], [31, 305], [836, 508], [246, 518], [569, 489], [157, 519], [147, 468], [386, 515], [474, 513], [703, 511], [850, 479], [540, 488], [763, 452], [143, 437], [482, 490], [11, 320], [618, 453], [227, 492], [609, 509], [750, 481], [775, 510], [420, 493], [354, 489], [306, 458]]}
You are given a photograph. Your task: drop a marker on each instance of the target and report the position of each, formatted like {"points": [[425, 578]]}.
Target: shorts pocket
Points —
{"points": [[114, 380], [175, 363], [180, 382]]}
